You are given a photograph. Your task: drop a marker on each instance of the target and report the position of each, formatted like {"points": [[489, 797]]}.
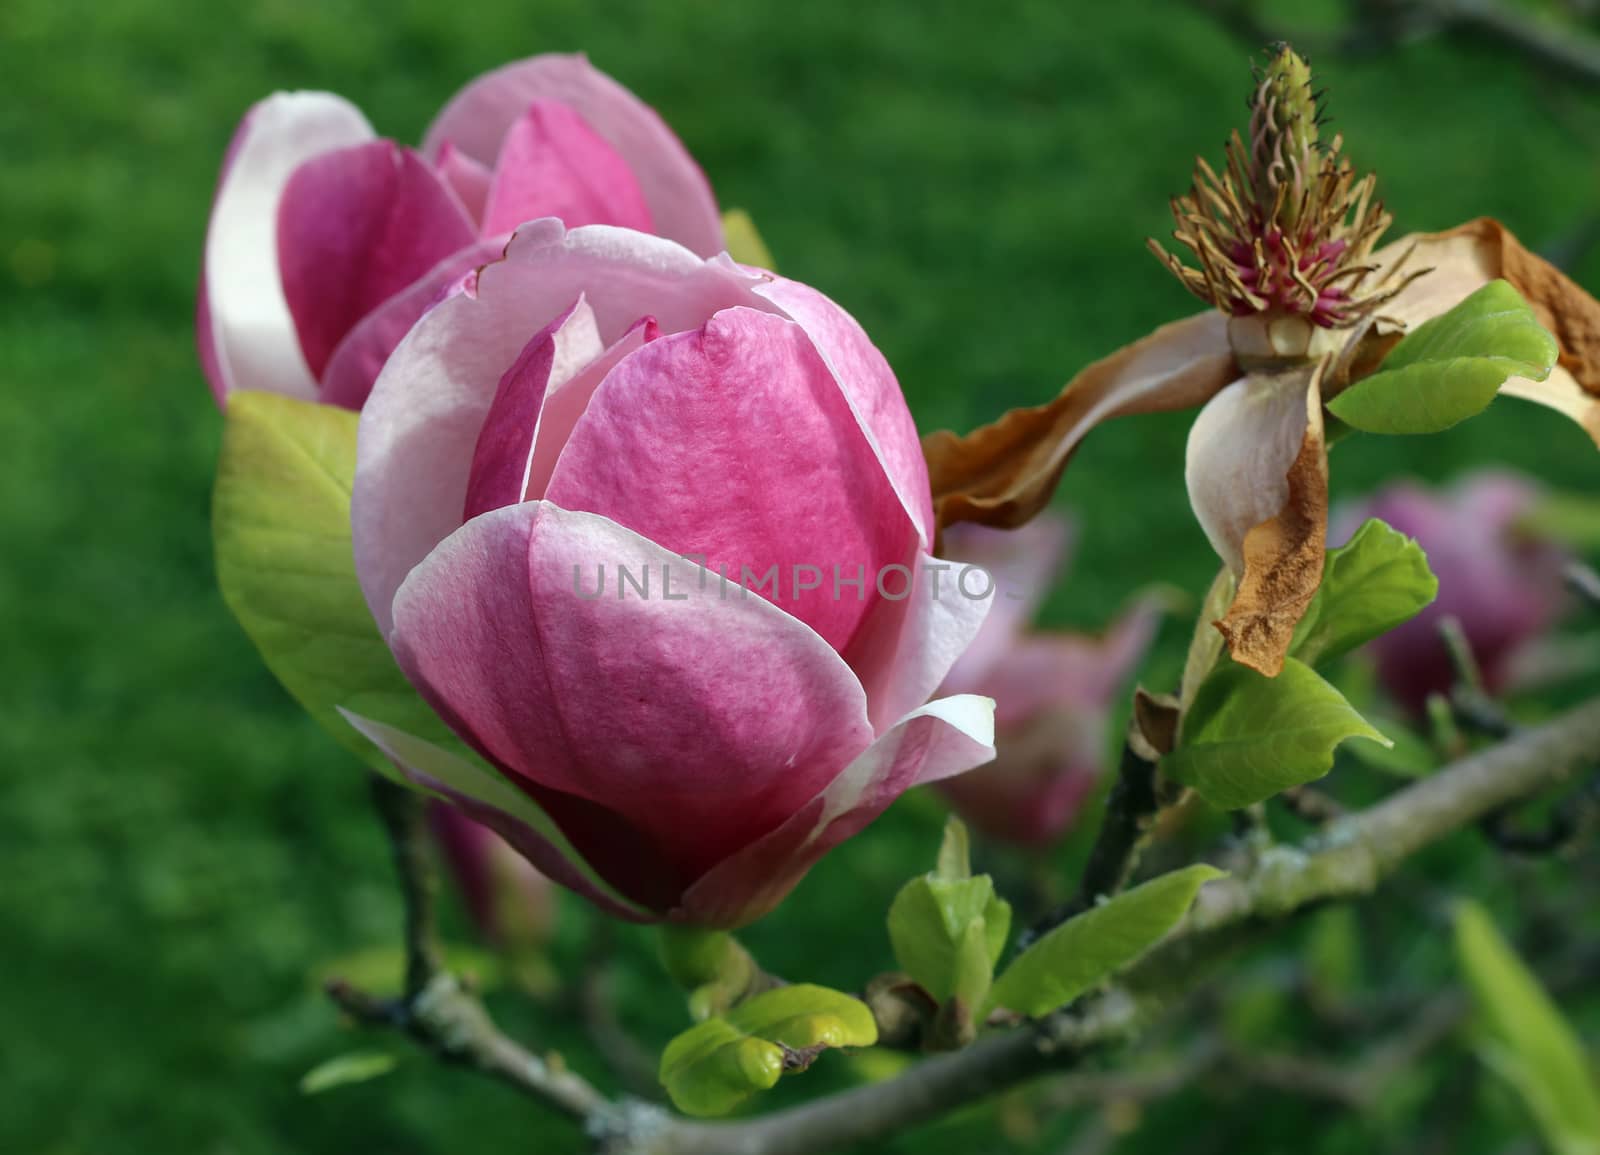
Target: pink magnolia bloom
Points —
{"points": [[510, 902], [1504, 586], [1053, 690], [326, 243], [602, 401]]}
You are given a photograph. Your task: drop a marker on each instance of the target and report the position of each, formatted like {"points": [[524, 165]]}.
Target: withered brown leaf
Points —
{"points": [[1003, 473]]}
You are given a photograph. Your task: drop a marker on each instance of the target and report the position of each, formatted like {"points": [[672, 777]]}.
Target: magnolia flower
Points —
{"points": [[1053, 691], [1305, 306], [326, 243], [512, 904], [1503, 585], [652, 534]]}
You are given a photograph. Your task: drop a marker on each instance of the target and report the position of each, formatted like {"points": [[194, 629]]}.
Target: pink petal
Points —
{"points": [[503, 457], [943, 738], [870, 386], [355, 227], [701, 719], [552, 164], [478, 117], [906, 647], [467, 178], [246, 335], [734, 443], [1023, 563], [354, 367], [567, 401], [421, 424]]}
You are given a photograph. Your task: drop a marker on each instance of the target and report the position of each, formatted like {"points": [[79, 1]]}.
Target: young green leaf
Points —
{"points": [[947, 927], [955, 851], [1526, 1039], [1248, 736], [281, 530], [1374, 582], [343, 1070], [1096, 944], [714, 1066], [710, 964], [930, 920], [1450, 367]]}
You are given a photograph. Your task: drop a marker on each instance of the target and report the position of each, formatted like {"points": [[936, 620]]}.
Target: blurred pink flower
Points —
{"points": [[511, 903], [1503, 585], [603, 400], [326, 243], [1053, 690]]}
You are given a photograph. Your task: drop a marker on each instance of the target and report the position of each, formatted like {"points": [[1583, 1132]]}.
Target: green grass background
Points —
{"points": [[181, 850]]}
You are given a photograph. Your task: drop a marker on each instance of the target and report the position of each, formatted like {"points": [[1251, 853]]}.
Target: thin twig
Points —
{"points": [[447, 1020], [1585, 582], [1346, 859], [435, 1009], [1565, 49], [1130, 813], [401, 813]]}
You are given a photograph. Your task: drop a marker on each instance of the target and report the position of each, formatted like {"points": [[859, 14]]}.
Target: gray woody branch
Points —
{"points": [[1347, 858]]}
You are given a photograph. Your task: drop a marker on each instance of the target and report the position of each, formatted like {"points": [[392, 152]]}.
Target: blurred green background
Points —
{"points": [[182, 853]]}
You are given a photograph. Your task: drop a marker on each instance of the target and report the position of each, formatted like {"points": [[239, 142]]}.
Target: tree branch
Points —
{"points": [[1346, 859], [436, 1010], [449, 1021]]}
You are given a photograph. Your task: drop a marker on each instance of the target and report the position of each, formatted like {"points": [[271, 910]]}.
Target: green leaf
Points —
{"points": [[1410, 755], [1084, 950], [1373, 583], [1527, 1040], [955, 851], [744, 242], [949, 928], [281, 531], [710, 964], [943, 932], [1450, 367], [1248, 736], [343, 1070], [714, 1066]]}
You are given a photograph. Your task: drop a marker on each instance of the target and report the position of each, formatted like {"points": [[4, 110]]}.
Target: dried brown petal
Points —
{"points": [[1003, 473], [1283, 556]]}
